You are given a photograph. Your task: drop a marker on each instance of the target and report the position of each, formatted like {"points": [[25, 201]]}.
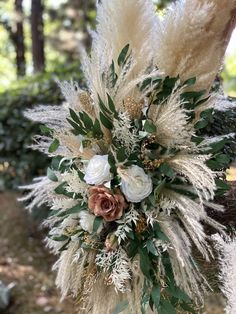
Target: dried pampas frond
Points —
{"points": [[193, 39], [103, 291], [227, 262], [123, 31], [173, 130], [40, 192], [186, 273], [53, 116], [194, 169]]}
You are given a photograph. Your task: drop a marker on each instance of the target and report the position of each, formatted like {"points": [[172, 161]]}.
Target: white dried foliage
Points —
{"points": [[124, 134], [227, 260], [41, 191], [118, 265], [187, 275], [173, 128], [193, 37], [123, 30], [75, 184], [62, 203], [194, 169], [112, 297], [125, 225]]}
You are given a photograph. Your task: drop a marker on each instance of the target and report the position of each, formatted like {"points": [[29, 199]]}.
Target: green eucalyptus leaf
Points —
{"points": [[201, 124], [54, 146], [167, 170], [122, 57], [97, 131], [145, 264], [106, 121], [97, 223], [187, 308], [102, 106], [156, 295], [59, 238], [45, 130], [151, 247], [158, 189], [149, 126], [166, 307], [190, 82], [74, 210], [76, 127], [88, 122], [176, 292], [113, 75], [121, 307], [111, 104], [75, 117], [222, 185], [121, 155], [51, 175]]}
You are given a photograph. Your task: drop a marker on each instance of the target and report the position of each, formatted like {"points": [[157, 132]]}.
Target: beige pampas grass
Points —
{"points": [[194, 169], [173, 128], [187, 275], [133, 22], [193, 38], [103, 291], [227, 263]]}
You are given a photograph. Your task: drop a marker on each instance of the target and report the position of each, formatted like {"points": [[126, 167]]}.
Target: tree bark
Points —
{"points": [[19, 39], [37, 35]]}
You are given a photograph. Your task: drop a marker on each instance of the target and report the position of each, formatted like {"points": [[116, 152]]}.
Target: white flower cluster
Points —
{"points": [[136, 185], [126, 224], [119, 263]]}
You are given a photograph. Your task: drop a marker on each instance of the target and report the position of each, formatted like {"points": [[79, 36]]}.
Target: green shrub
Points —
{"points": [[19, 164]]}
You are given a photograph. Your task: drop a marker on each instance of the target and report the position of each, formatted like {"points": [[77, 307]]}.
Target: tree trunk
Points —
{"points": [[19, 39], [37, 35]]}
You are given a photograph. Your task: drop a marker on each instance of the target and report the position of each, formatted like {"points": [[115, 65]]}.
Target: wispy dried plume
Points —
{"points": [[193, 38], [123, 30], [227, 260]]}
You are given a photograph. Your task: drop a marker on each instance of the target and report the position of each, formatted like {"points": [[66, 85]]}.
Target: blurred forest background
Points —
{"points": [[39, 41]]}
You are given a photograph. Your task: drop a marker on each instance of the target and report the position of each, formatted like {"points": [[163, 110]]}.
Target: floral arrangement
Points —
{"points": [[132, 173]]}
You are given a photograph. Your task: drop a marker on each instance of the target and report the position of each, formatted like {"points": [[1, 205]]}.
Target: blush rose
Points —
{"points": [[102, 202]]}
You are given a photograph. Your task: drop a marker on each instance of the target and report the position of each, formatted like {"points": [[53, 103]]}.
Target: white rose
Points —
{"points": [[98, 170], [86, 221], [136, 185]]}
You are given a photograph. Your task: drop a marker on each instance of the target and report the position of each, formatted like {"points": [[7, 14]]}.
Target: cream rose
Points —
{"points": [[98, 170], [136, 185]]}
